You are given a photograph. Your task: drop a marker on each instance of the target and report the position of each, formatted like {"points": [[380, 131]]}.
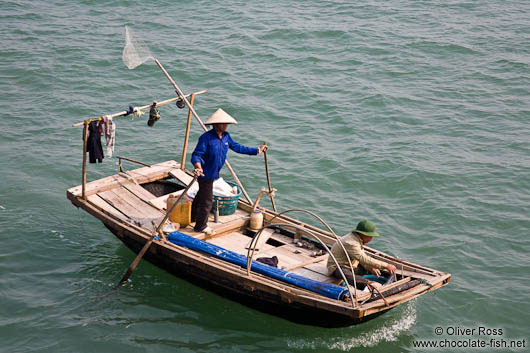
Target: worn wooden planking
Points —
{"points": [[106, 207], [147, 210], [109, 210], [413, 274], [314, 259], [313, 275], [284, 239], [319, 267], [118, 203], [155, 169], [262, 240], [139, 192], [181, 176], [238, 214], [219, 228], [236, 242], [141, 175], [287, 256]]}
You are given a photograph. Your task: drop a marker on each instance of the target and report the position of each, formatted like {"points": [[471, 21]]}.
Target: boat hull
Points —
{"points": [[255, 298]]}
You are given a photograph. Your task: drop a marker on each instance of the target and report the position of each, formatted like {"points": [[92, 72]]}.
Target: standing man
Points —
{"points": [[208, 158], [362, 263]]}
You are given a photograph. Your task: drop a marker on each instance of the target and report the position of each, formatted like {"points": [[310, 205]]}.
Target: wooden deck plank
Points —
{"points": [[287, 255], [139, 192], [319, 267], [147, 210], [106, 207], [181, 176], [220, 229], [312, 260], [239, 214], [141, 175], [314, 275], [118, 203], [236, 242]]}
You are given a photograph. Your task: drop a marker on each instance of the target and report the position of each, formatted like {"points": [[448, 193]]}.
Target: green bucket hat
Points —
{"points": [[367, 228]]}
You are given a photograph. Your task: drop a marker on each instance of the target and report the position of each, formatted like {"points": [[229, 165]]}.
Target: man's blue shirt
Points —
{"points": [[211, 152]]}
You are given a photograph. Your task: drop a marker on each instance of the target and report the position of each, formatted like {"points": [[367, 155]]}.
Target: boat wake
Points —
{"points": [[389, 331]]}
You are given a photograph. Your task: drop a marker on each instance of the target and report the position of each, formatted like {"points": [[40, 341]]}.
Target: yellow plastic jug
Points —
{"points": [[181, 213]]}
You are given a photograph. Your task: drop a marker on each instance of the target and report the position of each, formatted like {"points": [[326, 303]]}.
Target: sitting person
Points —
{"points": [[353, 243]]}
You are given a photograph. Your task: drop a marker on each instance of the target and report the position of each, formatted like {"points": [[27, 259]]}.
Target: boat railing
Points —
{"points": [[254, 242], [120, 167]]}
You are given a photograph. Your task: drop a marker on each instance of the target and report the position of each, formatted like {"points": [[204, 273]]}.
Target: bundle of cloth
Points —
{"points": [[220, 188]]}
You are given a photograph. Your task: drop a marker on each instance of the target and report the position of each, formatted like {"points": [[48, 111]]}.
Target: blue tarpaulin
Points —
{"points": [[326, 289]]}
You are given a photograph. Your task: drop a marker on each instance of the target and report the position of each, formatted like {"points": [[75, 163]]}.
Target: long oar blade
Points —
{"points": [[135, 263]]}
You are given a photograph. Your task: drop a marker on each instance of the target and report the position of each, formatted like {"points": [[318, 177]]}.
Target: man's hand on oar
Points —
{"points": [[263, 148]]}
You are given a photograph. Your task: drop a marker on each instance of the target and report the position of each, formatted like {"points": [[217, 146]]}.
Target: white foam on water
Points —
{"points": [[388, 332]]}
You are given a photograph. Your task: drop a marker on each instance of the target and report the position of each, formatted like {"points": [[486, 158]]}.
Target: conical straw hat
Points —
{"points": [[220, 117]]}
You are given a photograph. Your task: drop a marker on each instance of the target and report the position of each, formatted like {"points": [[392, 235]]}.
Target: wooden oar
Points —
{"points": [[142, 252], [271, 195]]}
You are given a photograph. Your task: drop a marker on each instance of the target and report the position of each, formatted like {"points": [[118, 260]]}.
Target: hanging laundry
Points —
{"points": [[110, 134], [94, 148], [134, 112]]}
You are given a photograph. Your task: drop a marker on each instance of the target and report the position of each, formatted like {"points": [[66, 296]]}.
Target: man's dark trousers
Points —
{"points": [[202, 204]]}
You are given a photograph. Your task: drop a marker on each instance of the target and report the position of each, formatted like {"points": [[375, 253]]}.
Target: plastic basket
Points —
{"points": [[227, 204]]}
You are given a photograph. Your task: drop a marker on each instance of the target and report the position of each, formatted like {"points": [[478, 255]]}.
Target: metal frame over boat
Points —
{"points": [[131, 203]]}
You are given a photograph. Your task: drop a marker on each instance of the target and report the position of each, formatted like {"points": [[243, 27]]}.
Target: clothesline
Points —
{"points": [[125, 112]]}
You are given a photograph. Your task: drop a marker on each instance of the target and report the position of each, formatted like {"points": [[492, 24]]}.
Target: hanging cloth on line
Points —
{"points": [[94, 148], [110, 134]]}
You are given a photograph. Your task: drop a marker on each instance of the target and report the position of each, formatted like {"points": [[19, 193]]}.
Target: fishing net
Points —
{"points": [[135, 52]]}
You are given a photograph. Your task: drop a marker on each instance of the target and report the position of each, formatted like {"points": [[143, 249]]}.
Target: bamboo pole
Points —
{"points": [[202, 125], [167, 101], [271, 193], [85, 140], [186, 139]]}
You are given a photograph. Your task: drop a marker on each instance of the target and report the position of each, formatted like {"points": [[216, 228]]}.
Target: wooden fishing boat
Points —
{"points": [[131, 203]]}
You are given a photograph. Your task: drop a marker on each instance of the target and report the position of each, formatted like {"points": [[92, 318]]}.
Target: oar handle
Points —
{"points": [[269, 178]]}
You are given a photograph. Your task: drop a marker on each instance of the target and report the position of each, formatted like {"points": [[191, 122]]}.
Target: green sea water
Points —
{"points": [[414, 114]]}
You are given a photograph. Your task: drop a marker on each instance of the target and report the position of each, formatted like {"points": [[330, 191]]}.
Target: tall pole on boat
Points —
{"points": [[186, 139], [85, 141], [181, 95]]}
